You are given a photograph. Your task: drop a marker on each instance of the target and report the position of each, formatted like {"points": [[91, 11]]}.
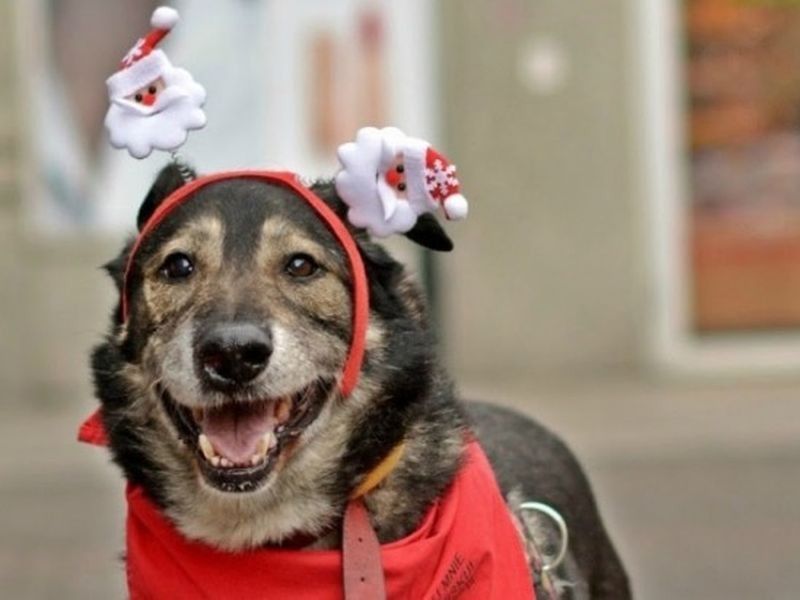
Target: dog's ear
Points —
{"points": [[116, 266], [428, 233], [169, 179], [325, 189], [116, 270]]}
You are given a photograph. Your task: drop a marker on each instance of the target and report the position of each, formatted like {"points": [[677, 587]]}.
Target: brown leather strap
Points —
{"points": [[361, 555]]}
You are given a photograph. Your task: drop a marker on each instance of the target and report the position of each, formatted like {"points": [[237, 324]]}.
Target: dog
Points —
{"points": [[219, 397]]}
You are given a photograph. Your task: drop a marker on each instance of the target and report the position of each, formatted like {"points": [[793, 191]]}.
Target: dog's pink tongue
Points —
{"points": [[235, 430]]}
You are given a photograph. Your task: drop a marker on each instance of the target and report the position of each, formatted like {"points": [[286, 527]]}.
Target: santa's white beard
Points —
{"points": [[372, 203], [165, 125]]}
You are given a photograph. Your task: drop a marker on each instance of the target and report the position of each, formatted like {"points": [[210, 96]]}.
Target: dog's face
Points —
{"points": [[220, 391], [245, 311]]}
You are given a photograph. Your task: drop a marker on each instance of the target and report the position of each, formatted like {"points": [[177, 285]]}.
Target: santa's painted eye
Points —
{"points": [[176, 266], [301, 266], [138, 97], [401, 187], [400, 168], [152, 89]]}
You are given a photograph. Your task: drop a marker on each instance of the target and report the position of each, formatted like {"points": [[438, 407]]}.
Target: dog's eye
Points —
{"points": [[301, 265], [177, 266]]}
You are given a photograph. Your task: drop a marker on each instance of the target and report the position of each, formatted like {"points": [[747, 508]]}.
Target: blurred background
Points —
{"points": [[629, 273]]}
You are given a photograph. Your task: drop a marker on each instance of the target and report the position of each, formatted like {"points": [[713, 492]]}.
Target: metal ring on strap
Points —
{"points": [[556, 517]]}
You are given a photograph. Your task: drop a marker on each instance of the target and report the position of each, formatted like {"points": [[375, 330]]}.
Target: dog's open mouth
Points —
{"points": [[237, 444]]}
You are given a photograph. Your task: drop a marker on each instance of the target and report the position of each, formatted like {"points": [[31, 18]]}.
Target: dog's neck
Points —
{"points": [[401, 487], [373, 479]]}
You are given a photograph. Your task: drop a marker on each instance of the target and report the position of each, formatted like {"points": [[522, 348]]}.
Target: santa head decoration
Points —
{"points": [[154, 105], [389, 179]]}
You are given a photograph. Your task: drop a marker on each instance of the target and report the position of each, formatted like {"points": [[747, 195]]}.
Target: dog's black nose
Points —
{"points": [[232, 354]]}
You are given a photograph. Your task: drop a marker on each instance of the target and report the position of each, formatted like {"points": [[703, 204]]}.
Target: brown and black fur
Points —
{"points": [[240, 232]]}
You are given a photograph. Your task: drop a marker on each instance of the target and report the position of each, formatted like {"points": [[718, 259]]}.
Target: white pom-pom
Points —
{"points": [[455, 207], [164, 17]]}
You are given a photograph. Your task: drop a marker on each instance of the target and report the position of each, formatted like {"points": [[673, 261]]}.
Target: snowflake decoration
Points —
{"points": [[441, 179]]}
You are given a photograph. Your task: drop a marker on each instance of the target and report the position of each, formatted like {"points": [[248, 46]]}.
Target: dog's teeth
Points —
{"points": [[215, 461], [283, 409], [255, 459], [263, 445], [266, 442], [206, 447], [224, 462]]}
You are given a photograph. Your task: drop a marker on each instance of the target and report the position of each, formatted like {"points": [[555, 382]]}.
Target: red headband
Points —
{"points": [[92, 430]]}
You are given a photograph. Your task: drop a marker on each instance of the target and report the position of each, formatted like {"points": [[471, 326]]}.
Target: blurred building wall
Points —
{"points": [[53, 298], [546, 272], [9, 201]]}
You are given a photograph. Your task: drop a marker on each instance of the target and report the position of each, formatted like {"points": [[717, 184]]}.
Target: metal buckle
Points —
{"points": [[556, 517]]}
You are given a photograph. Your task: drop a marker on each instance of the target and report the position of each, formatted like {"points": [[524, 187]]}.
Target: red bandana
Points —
{"points": [[466, 548]]}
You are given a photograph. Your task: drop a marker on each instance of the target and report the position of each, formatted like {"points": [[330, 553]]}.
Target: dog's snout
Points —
{"points": [[233, 354]]}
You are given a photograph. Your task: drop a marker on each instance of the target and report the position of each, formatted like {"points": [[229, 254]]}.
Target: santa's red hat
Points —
{"points": [[144, 63], [433, 178]]}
